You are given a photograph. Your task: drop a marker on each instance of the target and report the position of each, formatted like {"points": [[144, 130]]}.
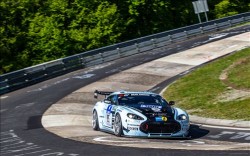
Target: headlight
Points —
{"points": [[182, 117], [133, 116]]}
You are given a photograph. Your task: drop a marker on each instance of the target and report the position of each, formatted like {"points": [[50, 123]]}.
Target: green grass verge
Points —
{"points": [[239, 25], [198, 91], [240, 74]]}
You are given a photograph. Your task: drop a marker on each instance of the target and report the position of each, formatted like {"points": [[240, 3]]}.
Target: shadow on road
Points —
{"points": [[197, 132], [34, 122]]}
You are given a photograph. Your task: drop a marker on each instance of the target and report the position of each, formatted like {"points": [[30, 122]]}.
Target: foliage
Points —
{"points": [[239, 76], [231, 7], [35, 31]]}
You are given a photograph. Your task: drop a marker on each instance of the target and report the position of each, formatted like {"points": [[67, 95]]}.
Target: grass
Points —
{"points": [[198, 91], [240, 74]]}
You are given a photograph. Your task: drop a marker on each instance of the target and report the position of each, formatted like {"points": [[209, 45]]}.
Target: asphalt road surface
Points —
{"points": [[22, 133]]}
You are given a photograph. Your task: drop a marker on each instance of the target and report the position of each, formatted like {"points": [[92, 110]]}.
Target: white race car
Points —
{"points": [[139, 114]]}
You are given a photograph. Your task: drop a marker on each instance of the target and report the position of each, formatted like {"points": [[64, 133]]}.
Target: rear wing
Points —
{"points": [[101, 93]]}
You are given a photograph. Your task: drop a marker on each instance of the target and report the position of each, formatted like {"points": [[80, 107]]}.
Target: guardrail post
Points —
{"points": [[216, 26], [243, 19], [25, 74], [118, 52], [186, 33], [202, 31], [137, 47], [79, 61], [230, 23], [44, 68], [170, 38], [83, 62], [102, 57], [62, 63], [154, 43]]}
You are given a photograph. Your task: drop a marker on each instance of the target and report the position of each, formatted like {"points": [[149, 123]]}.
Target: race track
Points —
{"points": [[22, 132]]}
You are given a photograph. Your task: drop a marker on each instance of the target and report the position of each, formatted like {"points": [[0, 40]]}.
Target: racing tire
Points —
{"points": [[118, 125], [95, 122]]}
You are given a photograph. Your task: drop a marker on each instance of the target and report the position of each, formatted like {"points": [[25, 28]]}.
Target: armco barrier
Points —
{"points": [[31, 75]]}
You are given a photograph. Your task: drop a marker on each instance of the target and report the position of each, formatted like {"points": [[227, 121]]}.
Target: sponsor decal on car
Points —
{"points": [[108, 120], [133, 125], [151, 106], [161, 118], [137, 94], [133, 128], [133, 121], [164, 118], [156, 109]]}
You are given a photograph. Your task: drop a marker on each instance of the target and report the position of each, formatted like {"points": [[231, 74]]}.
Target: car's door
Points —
{"points": [[108, 110]]}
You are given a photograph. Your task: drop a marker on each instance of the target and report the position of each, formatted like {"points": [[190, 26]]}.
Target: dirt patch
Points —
{"points": [[233, 92], [224, 75], [232, 95]]}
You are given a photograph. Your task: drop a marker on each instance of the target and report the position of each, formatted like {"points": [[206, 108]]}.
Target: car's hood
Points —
{"points": [[152, 110]]}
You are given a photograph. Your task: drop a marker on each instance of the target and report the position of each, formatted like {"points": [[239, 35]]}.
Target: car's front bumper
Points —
{"points": [[174, 129]]}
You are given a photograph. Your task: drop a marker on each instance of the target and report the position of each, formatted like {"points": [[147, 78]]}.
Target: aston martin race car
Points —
{"points": [[139, 114]]}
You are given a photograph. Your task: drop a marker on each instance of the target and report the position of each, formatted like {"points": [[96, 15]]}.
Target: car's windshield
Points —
{"points": [[141, 99]]}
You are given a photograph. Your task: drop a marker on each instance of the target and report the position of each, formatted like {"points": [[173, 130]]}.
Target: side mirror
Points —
{"points": [[171, 103], [107, 101], [95, 95]]}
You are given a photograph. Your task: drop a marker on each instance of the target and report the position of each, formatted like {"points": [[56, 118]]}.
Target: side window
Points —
{"points": [[113, 99], [164, 102]]}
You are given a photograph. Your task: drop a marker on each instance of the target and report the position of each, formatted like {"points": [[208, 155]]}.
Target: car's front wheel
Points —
{"points": [[118, 125], [95, 123]]}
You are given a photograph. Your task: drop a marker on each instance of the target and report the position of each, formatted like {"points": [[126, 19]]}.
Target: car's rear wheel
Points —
{"points": [[118, 125], [95, 123]]}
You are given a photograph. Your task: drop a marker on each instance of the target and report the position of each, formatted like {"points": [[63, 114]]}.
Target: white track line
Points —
{"points": [[4, 97], [222, 127]]}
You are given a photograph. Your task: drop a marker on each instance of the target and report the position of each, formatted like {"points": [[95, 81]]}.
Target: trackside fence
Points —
{"points": [[31, 75]]}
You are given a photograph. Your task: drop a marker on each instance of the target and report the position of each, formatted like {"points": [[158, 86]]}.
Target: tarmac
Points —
{"points": [[71, 117]]}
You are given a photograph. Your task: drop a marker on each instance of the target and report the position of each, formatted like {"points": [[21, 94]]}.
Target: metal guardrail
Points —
{"points": [[31, 75]]}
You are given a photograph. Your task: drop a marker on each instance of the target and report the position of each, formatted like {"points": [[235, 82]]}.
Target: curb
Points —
{"points": [[220, 122]]}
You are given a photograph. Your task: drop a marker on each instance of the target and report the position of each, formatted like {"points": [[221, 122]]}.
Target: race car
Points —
{"points": [[139, 114]]}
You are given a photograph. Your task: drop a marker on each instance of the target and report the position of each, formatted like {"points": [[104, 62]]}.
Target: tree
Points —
{"points": [[231, 7], [35, 31], [15, 16], [73, 27]]}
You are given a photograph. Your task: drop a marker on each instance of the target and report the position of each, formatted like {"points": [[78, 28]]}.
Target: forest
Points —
{"points": [[37, 31]]}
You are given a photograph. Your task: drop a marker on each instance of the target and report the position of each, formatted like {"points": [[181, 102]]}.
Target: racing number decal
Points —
{"points": [[109, 108], [108, 123], [108, 115]]}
